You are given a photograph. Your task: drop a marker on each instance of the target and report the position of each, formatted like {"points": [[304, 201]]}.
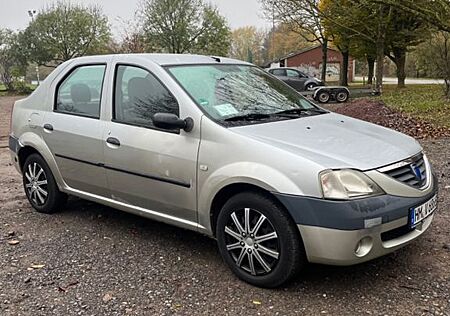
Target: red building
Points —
{"points": [[309, 60]]}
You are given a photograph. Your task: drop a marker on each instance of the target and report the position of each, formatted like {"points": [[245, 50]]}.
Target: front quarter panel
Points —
{"points": [[226, 158]]}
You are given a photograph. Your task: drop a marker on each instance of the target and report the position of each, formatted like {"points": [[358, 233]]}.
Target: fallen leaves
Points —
{"points": [[256, 302], [377, 112], [13, 242]]}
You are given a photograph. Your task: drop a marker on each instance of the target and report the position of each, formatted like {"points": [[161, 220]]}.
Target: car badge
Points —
{"points": [[416, 170]]}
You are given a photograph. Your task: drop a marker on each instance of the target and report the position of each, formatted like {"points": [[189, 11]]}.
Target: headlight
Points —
{"points": [[347, 184]]}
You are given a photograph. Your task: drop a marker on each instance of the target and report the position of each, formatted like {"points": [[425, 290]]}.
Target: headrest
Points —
{"points": [[80, 92]]}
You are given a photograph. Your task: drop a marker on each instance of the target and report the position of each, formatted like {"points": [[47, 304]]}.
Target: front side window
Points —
{"points": [[292, 73], [228, 92], [139, 95], [80, 93]]}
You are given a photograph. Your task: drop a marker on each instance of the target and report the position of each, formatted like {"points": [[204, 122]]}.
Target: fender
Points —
{"points": [[256, 174]]}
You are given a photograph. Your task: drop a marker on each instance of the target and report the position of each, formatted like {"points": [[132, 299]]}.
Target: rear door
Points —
{"points": [[73, 130]]}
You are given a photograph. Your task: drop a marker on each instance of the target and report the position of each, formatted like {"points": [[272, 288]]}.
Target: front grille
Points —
{"points": [[411, 172]]}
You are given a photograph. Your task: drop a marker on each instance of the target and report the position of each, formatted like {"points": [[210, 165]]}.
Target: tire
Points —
{"points": [[40, 186], [323, 97], [283, 254], [342, 96], [310, 86]]}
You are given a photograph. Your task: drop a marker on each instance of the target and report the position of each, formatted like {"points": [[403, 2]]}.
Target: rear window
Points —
{"points": [[80, 92]]}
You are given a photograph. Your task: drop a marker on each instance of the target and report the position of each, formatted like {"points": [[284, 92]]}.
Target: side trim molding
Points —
{"points": [[147, 176], [80, 160]]}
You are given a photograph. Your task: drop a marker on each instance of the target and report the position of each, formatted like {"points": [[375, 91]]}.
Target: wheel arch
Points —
{"points": [[228, 191], [32, 143], [232, 178], [24, 152], [311, 82]]}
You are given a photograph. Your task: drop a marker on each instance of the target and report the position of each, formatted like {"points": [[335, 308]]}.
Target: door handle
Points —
{"points": [[48, 127], [113, 141]]}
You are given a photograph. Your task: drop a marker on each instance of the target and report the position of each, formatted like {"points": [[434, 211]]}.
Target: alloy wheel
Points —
{"points": [[310, 87], [252, 241], [36, 184]]}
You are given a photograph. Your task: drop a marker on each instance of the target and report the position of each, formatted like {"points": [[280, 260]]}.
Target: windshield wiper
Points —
{"points": [[262, 116], [299, 111], [248, 117]]}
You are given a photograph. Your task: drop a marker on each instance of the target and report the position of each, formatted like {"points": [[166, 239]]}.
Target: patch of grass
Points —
{"points": [[25, 86], [3, 90], [422, 101]]}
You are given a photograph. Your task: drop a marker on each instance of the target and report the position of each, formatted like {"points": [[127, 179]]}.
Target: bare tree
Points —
{"points": [[436, 52], [303, 17]]}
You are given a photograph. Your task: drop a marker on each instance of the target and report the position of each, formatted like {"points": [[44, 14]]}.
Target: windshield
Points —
{"points": [[227, 92]]}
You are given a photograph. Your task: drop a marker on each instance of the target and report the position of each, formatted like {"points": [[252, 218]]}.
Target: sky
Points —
{"points": [[13, 13]]}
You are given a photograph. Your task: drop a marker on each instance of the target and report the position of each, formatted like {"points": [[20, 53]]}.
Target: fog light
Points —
{"points": [[363, 246]]}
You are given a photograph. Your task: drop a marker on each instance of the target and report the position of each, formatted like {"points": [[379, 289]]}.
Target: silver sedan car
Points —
{"points": [[221, 147]]}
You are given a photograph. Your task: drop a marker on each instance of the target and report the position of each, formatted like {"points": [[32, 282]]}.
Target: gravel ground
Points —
{"points": [[94, 260]]}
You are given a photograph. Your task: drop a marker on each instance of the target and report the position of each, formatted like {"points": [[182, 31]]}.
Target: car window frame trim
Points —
{"points": [[67, 75], [113, 101]]}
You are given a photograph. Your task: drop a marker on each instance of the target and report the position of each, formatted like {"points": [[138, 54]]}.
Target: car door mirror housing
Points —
{"points": [[172, 122]]}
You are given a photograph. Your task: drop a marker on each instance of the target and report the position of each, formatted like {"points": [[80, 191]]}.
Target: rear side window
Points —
{"points": [[139, 95], [279, 72], [80, 93]]}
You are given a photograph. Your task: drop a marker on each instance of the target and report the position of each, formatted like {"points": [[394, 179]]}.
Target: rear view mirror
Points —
{"points": [[172, 122]]}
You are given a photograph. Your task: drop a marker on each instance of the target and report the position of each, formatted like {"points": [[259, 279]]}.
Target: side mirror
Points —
{"points": [[172, 122]]}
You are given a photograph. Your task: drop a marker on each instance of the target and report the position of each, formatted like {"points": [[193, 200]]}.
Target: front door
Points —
{"points": [[149, 167], [73, 130], [296, 79]]}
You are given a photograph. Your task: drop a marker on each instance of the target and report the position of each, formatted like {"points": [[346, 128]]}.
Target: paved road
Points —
{"points": [[390, 80]]}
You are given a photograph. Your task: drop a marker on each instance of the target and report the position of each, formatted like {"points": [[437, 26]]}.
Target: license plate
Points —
{"points": [[419, 213]]}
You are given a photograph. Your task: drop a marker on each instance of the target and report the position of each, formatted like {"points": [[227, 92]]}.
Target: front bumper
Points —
{"points": [[351, 232], [348, 247]]}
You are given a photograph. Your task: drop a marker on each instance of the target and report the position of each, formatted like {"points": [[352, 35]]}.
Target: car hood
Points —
{"points": [[335, 141]]}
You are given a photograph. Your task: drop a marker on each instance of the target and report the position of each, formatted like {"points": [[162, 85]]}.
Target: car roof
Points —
{"points": [[171, 59]]}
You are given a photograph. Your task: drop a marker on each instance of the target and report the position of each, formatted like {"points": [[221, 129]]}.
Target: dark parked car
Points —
{"points": [[296, 79]]}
